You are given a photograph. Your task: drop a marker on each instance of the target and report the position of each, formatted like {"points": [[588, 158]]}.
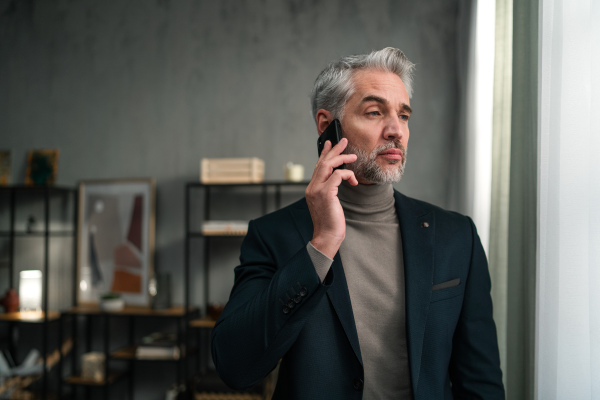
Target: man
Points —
{"points": [[360, 291]]}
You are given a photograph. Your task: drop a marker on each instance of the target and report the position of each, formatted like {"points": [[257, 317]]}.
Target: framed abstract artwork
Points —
{"points": [[115, 240]]}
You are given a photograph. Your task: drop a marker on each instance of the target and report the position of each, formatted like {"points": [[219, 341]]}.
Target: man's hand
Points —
{"points": [[321, 195]]}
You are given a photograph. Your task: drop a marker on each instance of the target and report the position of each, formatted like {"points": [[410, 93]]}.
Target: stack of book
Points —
{"points": [[158, 345], [232, 170], [225, 228]]}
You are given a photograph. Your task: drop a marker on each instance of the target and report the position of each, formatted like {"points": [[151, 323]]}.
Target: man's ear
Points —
{"points": [[324, 118]]}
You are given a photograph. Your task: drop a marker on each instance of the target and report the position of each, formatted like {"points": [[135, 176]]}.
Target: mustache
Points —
{"points": [[393, 144]]}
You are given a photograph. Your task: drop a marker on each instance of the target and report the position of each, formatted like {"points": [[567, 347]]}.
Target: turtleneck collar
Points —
{"points": [[368, 202]]}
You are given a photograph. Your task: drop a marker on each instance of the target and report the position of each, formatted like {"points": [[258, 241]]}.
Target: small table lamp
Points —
{"points": [[30, 290]]}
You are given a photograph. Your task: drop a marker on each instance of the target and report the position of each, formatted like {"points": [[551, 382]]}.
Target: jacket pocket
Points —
{"points": [[446, 290], [446, 285]]}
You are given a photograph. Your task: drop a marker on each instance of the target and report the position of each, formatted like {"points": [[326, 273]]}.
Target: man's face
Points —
{"points": [[375, 122]]}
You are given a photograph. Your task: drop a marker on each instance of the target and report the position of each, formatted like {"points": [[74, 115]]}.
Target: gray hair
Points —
{"points": [[334, 85]]}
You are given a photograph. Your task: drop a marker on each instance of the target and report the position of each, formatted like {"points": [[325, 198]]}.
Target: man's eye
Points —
{"points": [[373, 113], [404, 117]]}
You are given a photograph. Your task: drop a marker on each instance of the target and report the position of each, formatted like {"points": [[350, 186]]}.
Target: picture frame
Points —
{"points": [[115, 240], [5, 165], [42, 167]]}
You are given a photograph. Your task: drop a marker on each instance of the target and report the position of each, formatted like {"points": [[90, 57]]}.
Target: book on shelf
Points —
{"points": [[158, 345], [233, 228], [158, 352]]}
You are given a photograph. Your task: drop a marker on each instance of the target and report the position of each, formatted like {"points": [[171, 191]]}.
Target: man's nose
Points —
{"points": [[393, 128]]}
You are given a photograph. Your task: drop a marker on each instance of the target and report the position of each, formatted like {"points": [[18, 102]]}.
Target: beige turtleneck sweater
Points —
{"points": [[372, 258]]}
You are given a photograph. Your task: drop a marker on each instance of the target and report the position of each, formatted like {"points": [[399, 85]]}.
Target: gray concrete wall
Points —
{"points": [[141, 88]]}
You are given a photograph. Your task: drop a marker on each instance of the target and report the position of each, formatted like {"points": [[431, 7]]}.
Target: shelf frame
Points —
{"points": [[127, 352], [208, 190], [45, 316], [204, 324]]}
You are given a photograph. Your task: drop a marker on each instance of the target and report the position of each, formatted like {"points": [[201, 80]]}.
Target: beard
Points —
{"points": [[365, 167]]}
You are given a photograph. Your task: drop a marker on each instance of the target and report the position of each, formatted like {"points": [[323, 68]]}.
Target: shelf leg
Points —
{"points": [[131, 383], [60, 354], [46, 279], [106, 356]]}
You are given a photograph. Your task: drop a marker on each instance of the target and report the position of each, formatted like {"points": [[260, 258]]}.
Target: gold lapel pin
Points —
{"points": [[425, 225]]}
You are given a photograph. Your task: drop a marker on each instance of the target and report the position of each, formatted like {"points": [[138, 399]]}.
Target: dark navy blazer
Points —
{"points": [[280, 310]]}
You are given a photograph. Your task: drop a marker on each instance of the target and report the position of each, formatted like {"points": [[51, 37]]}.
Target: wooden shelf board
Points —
{"points": [[78, 380], [200, 234], [239, 233], [256, 184], [202, 323], [129, 353], [29, 316], [227, 396], [209, 384], [132, 311], [37, 234]]}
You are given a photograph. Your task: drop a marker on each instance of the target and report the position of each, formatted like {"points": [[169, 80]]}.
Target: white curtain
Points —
{"points": [[568, 265], [472, 191], [500, 188], [514, 209]]}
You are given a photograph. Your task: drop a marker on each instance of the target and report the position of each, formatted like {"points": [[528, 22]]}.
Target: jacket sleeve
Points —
{"points": [[475, 363], [275, 288]]}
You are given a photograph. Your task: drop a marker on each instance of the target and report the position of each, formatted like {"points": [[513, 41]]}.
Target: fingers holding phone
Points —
{"points": [[333, 134], [331, 164], [321, 194]]}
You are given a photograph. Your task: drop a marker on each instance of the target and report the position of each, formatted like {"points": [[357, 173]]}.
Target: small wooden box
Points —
{"points": [[232, 170]]}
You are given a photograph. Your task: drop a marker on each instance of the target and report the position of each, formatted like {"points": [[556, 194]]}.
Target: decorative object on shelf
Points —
{"points": [[116, 239], [5, 165], [31, 222], [158, 345], [30, 290], [232, 170], [92, 366], [16, 380], [294, 172], [224, 228], [42, 166], [10, 301], [111, 302], [175, 391], [214, 310], [32, 364], [160, 291], [5, 369]]}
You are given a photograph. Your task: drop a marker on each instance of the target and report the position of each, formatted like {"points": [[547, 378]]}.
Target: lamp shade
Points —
{"points": [[30, 290]]}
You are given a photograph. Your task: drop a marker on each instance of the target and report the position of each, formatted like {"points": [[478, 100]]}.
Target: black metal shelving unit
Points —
{"points": [[16, 196], [89, 322], [270, 196], [125, 318]]}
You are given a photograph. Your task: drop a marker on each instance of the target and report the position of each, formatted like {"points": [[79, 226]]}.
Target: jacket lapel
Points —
{"points": [[417, 228], [338, 292]]}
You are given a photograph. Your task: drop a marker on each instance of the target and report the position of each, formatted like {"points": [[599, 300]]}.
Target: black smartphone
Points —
{"points": [[333, 133]]}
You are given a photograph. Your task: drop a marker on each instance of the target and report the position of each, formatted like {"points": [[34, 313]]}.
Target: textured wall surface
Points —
{"points": [[147, 88]]}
